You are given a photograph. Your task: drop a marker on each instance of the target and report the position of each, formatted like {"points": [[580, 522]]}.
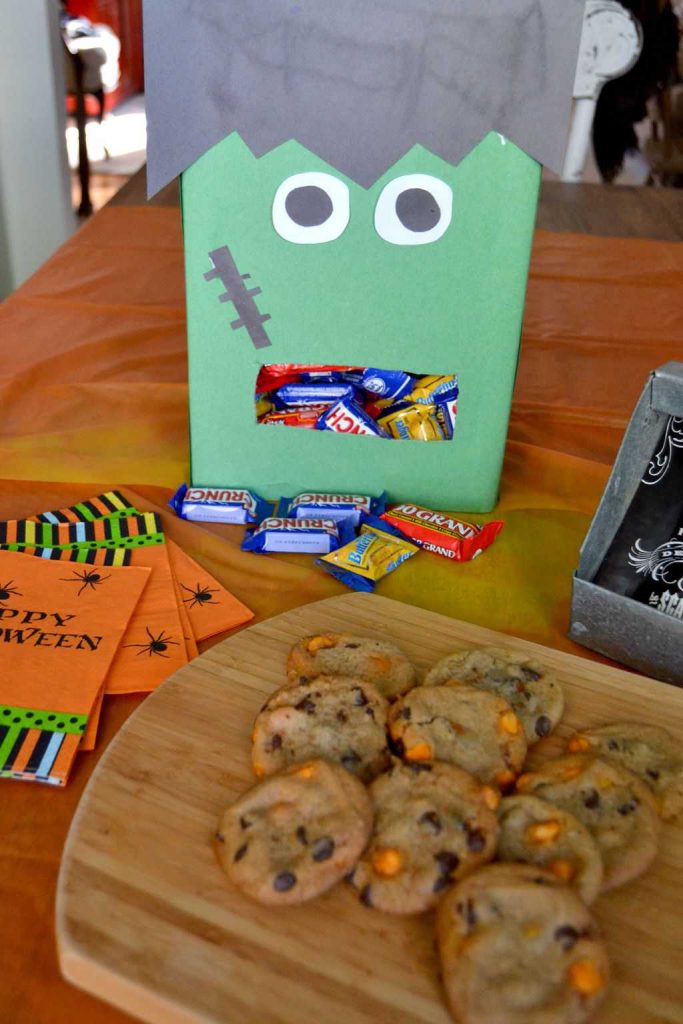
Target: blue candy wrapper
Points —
{"points": [[332, 506], [387, 383], [321, 393], [301, 536], [219, 505], [347, 417]]}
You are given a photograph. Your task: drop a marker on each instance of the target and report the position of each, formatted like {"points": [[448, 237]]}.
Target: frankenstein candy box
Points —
{"points": [[359, 187]]}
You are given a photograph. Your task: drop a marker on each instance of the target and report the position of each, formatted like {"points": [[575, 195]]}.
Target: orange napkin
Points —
{"points": [[211, 608], [57, 644], [154, 645]]}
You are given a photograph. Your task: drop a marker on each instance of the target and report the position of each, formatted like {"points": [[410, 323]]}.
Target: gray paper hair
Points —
{"points": [[358, 82]]}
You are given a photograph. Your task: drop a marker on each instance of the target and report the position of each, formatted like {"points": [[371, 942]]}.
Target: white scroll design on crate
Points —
{"points": [[656, 564], [663, 457]]}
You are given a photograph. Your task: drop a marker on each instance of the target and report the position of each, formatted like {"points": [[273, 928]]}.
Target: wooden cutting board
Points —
{"points": [[147, 921]]}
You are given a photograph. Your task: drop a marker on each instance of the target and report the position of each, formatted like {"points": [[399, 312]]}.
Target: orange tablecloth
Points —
{"points": [[93, 393]]}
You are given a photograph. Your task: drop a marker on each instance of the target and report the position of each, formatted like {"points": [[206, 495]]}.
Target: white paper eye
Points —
{"points": [[311, 208], [414, 209]]}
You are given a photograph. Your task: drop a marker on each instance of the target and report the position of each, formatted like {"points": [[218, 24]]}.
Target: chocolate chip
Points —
{"points": [[365, 896], [442, 882], [241, 852], [405, 713], [592, 799], [371, 712], [432, 820], [301, 835], [322, 849], [351, 647], [447, 861], [530, 675], [285, 881], [653, 773], [342, 717], [245, 823], [612, 745], [566, 936], [399, 747], [476, 840], [628, 808], [303, 679], [275, 741], [543, 725], [306, 705], [350, 759], [220, 838], [359, 698]]}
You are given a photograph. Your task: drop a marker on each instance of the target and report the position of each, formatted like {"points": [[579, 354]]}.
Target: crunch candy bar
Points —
{"points": [[303, 536], [219, 505], [332, 506]]}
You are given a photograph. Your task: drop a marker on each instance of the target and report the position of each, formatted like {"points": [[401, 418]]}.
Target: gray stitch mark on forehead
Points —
{"points": [[242, 298]]}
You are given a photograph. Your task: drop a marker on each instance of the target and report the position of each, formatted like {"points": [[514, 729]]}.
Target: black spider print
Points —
{"points": [[88, 578], [8, 590], [200, 596], [157, 645]]}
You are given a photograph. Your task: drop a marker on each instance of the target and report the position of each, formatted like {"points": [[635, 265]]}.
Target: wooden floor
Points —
{"points": [[616, 211]]}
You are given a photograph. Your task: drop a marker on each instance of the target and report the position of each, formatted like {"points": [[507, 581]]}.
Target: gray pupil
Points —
{"points": [[417, 209], [308, 206]]}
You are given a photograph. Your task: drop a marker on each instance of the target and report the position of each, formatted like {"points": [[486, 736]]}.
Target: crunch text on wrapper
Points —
{"points": [[303, 536], [332, 506], [219, 505]]}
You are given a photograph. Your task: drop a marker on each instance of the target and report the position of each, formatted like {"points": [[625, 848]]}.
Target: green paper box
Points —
{"points": [[359, 187]]}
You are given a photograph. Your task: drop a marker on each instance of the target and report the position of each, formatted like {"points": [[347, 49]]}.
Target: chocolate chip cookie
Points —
{"points": [[615, 806], [339, 654], [335, 717], [468, 727], [517, 947], [296, 834], [432, 826], [647, 750], [531, 690], [534, 831]]}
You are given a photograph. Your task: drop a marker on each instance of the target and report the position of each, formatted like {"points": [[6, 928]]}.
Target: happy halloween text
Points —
{"points": [[38, 636]]}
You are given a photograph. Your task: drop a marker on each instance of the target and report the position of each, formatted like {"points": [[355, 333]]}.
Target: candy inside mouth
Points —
{"points": [[394, 405]]}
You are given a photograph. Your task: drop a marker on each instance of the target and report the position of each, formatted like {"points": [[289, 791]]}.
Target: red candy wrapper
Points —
{"points": [[307, 417], [441, 533]]}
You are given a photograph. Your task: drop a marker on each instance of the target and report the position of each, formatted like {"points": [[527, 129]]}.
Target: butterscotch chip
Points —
{"points": [[611, 802], [432, 826], [518, 947], [649, 751], [334, 717], [531, 690], [296, 834], [379, 662], [468, 727], [534, 831]]}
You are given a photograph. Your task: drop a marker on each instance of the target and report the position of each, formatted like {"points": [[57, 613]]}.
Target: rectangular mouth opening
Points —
{"points": [[391, 405]]}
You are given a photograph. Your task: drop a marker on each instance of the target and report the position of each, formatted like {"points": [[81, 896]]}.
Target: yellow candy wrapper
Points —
{"points": [[376, 552]]}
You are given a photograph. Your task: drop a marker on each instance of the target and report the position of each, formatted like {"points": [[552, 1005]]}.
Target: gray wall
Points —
{"points": [[35, 201]]}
